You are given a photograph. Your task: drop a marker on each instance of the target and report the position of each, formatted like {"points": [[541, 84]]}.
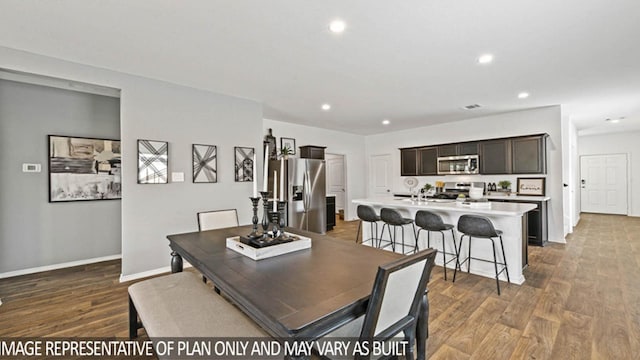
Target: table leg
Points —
{"points": [[422, 329], [176, 262]]}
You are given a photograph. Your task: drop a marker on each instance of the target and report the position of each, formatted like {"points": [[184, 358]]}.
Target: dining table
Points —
{"points": [[304, 294]]}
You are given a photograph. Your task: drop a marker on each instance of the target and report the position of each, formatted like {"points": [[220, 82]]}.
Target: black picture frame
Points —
{"points": [[84, 169], [153, 162], [205, 163], [243, 163], [290, 142], [531, 186]]}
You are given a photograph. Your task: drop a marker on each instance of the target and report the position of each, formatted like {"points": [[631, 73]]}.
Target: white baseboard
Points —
{"points": [[144, 274], [58, 266]]}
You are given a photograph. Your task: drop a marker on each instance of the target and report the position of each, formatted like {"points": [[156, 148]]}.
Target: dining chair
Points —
{"points": [[217, 219], [395, 302]]}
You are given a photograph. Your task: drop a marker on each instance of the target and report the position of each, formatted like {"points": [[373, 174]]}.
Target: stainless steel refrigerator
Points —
{"points": [[305, 183]]}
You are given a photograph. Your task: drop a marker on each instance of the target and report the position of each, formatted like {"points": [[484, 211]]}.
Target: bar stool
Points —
{"points": [[432, 222], [475, 226], [366, 213], [392, 217]]}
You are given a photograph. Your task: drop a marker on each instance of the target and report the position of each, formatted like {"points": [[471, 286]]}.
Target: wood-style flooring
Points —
{"points": [[580, 301]]}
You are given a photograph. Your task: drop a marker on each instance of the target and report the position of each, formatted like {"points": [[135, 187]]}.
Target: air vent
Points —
{"points": [[472, 106]]}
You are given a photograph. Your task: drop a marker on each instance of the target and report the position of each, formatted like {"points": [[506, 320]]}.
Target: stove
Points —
{"points": [[453, 189]]}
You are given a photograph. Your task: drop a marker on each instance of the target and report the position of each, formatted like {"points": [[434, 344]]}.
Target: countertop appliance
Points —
{"points": [[453, 189], [465, 164], [305, 183]]}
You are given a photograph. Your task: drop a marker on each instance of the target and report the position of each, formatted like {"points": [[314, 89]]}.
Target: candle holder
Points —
{"points": [[282, 218], [275, 220], [265, 216], [255, 234]]}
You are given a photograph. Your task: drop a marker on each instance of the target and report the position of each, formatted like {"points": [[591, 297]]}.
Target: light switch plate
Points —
{"points": [[31, 168], [177, 177]]}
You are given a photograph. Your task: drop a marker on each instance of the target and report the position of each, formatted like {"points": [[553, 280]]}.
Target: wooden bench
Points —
{"points": [[181, 305]]}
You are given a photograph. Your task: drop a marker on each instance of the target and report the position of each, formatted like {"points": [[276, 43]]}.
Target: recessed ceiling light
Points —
{"points": [[614, 121], [337, 26], [485, 59], [326, 107], [523, 95], [386, 122]]}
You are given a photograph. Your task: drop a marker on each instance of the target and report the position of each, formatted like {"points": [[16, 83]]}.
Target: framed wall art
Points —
{"points": [[205, 167], [243, 163], [531, 186], [153, 162], [84, 169], [288, 143]]}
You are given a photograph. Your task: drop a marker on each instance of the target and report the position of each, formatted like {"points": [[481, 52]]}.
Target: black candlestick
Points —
{"points": [[281, 205], [265, 216], [254, 202], [275, 220]]}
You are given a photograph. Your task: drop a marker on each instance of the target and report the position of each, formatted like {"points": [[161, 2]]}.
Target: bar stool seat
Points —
{"points": [[475, 226], [432, 222], [392, 217], [368, 214]]}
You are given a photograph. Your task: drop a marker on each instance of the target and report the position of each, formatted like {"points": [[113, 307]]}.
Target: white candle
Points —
{"points": [[255, 177], [281, 179], [275, 191], [265, 175]]}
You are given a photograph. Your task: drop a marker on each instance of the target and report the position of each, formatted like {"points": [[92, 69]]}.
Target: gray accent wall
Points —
{"points": [[34, 232]]}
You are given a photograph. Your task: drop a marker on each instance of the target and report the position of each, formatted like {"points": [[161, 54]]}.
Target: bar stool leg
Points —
{"points": [[456, 249], [459, 267], [504, 257], [402, 228], [469, 263], [495, 263], [444, 256], [358, 233], [381, 236], [416, 248]]}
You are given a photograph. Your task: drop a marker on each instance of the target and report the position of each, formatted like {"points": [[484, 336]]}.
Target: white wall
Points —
{"points": [[536, 121], [350, 145], [618, 143], [157, 110]]}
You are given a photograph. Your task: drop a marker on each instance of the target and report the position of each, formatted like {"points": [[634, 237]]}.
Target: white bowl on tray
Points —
{"points": [[475, 193]]}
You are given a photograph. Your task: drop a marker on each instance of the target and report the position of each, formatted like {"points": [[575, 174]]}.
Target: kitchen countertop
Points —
{"points": [[497, 208], [493, 196]]}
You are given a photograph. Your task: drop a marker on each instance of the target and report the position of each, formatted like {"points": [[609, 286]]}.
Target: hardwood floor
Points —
{"points": [[579, 301]]}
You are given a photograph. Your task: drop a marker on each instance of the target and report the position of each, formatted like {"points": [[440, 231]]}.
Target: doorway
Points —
{"points": [[380, 178], [337, 180], [603, 184]]}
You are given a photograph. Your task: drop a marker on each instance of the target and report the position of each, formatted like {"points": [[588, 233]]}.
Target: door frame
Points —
{"points": [[347, 202]]}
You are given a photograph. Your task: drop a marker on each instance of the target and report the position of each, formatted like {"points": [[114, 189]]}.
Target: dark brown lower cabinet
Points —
{"points": [[537, 221], [331, 212]]}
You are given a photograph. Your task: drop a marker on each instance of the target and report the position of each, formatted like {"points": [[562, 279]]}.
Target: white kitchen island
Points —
{"points": [[507, 217]]}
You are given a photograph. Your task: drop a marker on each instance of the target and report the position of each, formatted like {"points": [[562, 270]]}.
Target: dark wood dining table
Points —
{"points": [[301, 295]]}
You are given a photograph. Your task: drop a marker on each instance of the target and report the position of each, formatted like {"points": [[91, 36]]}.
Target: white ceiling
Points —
{"points": [[411, 61]]}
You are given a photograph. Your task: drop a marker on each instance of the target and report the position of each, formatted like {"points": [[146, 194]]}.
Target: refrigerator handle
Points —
{"points": [[305, 191]]}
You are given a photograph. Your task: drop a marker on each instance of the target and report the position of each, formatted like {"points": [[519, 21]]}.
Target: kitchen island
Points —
{"points": [[508, 217]]}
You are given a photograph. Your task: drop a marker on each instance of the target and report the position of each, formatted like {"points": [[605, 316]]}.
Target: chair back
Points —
{"points": [[476, 226], [391, 216], [397, 295], [218, 219], [367, 213], [429, 221]]}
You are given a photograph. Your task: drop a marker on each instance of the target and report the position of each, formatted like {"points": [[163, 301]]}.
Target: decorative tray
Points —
{"points": [[296, 243]]}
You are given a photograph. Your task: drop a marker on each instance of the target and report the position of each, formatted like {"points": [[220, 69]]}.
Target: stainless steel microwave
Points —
{"points": [[465, 164]]}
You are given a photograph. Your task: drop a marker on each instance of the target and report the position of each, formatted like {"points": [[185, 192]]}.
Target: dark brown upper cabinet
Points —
{"points": [[448, 150], [495, 156], [528, 155], [428, 159], [408, 162], [468, 148]]}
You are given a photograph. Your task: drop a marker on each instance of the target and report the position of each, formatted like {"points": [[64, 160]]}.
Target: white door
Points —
{"points": [[380, 176], [603, 183], [335, 179]]}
